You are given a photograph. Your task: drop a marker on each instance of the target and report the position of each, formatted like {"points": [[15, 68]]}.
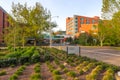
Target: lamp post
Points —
{"points": [[50, 30]]}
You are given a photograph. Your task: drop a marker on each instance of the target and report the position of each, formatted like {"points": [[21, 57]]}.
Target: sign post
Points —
{"points": [[79, 51]]}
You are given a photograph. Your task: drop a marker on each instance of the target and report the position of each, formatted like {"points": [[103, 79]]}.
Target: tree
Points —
{"points": [[82, 39], [11, 33], [38, 21], [29, 21], [111, 11], [110, 7], [69, 39], [116, 26], [102, 29]]}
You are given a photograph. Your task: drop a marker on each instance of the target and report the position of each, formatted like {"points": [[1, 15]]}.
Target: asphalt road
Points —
{"points": [[105, 54], [108, 55]]}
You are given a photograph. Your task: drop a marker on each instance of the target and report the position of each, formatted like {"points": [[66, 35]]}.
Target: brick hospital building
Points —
{"points": [[3, 23], [80, 24]]}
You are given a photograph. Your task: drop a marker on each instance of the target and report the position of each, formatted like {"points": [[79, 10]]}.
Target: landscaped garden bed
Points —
{"points": [[52, 64]]}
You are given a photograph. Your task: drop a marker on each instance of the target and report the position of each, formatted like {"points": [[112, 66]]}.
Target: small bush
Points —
{"points": [[81, 72], [62, 66], [2, 72], [35, 76], [57, 62], [109, 75], [65, 70], [13, 77], [37, 69], [37, 65], [76, 78], [55, 72], [27, 63], [19, 72], [12, 65], [94, 73], [22, 67], [57, 77], [71, 74]]}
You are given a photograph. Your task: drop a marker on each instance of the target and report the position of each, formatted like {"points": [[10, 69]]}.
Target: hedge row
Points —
{"points": [[20, 57]]}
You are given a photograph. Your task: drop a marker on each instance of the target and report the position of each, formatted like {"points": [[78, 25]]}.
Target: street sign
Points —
{"points": [[73, 50], [118, 73]]}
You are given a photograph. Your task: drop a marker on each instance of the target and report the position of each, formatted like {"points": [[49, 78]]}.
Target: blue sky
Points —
{"points": [[62, 8]]}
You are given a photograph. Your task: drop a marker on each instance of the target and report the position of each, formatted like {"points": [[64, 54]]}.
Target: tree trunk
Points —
{"points": [[23, 40], [14, 39], [101, 42], [35, 42]]}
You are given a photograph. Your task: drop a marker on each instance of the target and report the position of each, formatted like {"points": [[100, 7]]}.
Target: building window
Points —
{"points": [[76, 28], [76, 21], [93, 21], [81, 19], [76, 25], [87, 21]]}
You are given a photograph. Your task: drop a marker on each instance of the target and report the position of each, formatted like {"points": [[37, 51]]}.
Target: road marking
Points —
{"points": [[102, 53]]}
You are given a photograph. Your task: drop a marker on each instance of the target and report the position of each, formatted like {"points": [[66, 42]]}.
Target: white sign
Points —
{"points": [[73, 49], [118, 73]]}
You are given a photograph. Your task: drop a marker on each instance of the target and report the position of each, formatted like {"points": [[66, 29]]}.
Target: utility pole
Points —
{"points": [[51, 30]]}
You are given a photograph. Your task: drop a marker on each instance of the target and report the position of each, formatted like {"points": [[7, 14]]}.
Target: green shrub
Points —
{"points": [[57, 62], [51, 67], [71, 74], [12, 65], [94, 73], [15, 54], [24, 60], [3, 72], [57, 77], [22, 67], [109, 75], [35, 57], [13, 77], [19, 72], [37, 69], [88, 67], [27, 63], [62, 66], [47, 56], [55, 72], [81, 72], [76, 78], [85, 69], [80, 66], [35, 76], [65, 70], [8, 62], [72, 64]]}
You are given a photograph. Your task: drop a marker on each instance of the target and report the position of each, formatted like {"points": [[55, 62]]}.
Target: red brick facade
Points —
{"points": [[79, 24], [3, 23]]}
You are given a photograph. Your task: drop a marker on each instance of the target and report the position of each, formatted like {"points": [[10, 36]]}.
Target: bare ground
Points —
{"points": [[10, 71], [45, 73], [27, 73]]}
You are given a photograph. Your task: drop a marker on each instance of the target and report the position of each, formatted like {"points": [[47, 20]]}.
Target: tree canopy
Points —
{"points": [[28, 22]]}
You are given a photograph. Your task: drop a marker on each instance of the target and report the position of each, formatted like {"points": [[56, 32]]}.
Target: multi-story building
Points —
{"points": [[80, 24], [3, 23]]}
